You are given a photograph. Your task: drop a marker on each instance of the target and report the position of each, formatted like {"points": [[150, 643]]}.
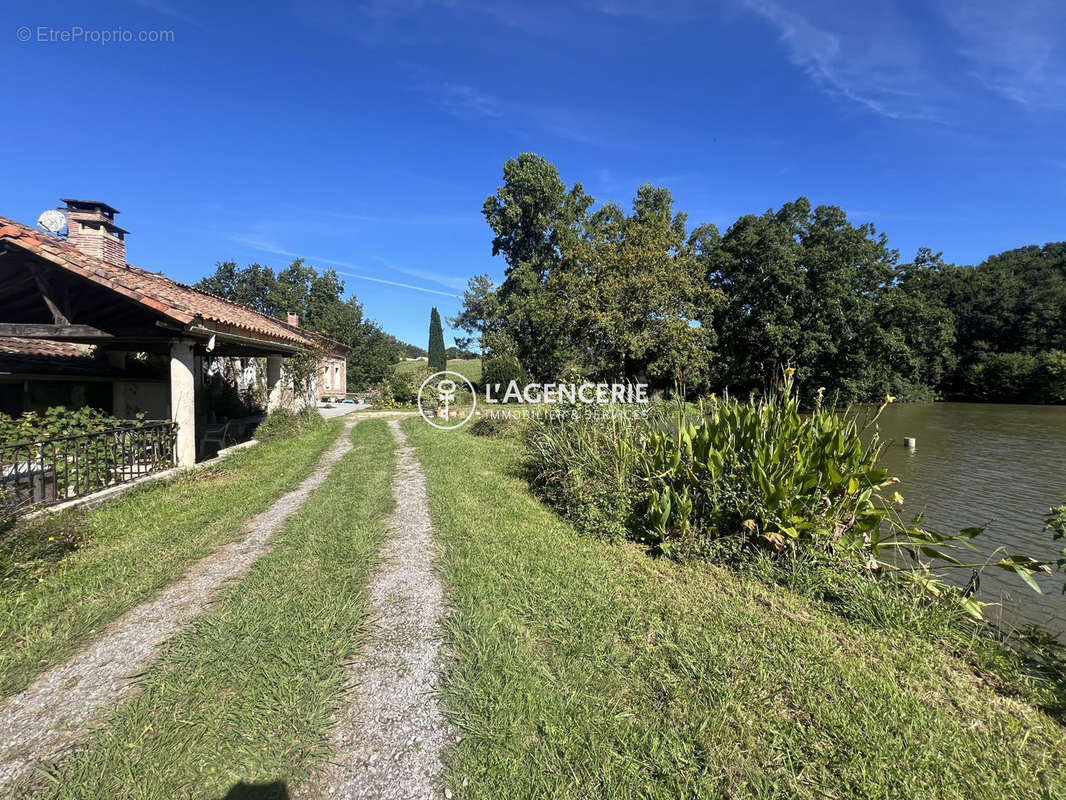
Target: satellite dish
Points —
{"points": [[52, 220]]}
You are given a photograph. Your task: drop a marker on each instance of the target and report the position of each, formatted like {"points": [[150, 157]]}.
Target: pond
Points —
{"points": [[998, 466]]}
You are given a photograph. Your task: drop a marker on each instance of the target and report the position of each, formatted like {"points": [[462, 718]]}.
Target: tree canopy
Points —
{"points": [[639, 296], [317, 298]]}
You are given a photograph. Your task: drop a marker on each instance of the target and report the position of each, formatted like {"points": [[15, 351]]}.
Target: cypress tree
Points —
{"points": [[438, 359]]}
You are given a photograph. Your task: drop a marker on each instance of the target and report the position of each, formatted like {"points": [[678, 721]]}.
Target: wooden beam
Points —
{"points": [[46, 293]]}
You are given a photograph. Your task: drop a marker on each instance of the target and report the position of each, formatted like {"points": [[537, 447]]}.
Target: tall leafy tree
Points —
{"points": [[802, 287], [372, 356], [635, 292], [480, 314], [913, 332], [438, 358], [317, 298], [303, 290], [1010, 324], [250, 286], [534, 219], [631, 295]]}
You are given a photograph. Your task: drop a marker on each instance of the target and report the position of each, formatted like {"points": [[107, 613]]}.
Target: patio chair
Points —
{"points": [[214, 434]]}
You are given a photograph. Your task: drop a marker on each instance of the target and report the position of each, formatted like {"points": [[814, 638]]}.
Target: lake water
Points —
{"points": [[998, 466]]}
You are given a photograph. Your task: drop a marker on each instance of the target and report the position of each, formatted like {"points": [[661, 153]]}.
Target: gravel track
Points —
{"points": [[388, 737], [39, 725]]}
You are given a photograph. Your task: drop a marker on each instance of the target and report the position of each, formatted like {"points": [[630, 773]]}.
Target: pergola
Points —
{"points": [[52, 290]]}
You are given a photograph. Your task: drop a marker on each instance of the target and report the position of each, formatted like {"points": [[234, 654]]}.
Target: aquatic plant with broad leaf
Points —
{"points": [[764, 474], [1055, 522]]}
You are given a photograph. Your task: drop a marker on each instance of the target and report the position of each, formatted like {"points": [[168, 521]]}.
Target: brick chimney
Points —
{"points": [[293, 319], [91, 228]]}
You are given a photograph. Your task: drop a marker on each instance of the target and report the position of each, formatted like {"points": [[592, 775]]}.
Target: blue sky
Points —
{"points": [[365, 136]]}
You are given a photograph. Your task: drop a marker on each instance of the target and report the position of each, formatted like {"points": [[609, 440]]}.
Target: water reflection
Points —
{"points": [[1001, 466]]}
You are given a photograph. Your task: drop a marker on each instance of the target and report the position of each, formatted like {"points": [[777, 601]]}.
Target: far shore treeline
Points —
{"points": [[639, 295], [642, 296]]}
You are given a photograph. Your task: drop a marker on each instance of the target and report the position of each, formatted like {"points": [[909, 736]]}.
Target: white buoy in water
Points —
{"points": [[910, 442]]}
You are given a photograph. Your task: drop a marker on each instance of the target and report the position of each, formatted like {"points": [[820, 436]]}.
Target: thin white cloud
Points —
{"points": [[665, 10], [467, 102], [412, 218], [399, 284], [1018, 51], [424, 274], [270, 247], [169, 10], [901, 65], [871, 58]]}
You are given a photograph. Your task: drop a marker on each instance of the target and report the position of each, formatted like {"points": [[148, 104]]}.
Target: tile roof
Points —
{"points": [[44, 347], [42, 356], [175, 301]]}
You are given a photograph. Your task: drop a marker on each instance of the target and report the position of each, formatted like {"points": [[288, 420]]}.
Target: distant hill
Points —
{"points": [[470, 368]]}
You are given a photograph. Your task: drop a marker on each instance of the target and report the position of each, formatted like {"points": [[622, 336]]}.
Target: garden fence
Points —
{"points": [[50, 471]]}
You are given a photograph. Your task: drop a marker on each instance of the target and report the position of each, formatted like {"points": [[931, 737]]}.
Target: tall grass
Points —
{"points": [[583, 669], [588, 467], [733, 480], [284, 423], [131, 547]]}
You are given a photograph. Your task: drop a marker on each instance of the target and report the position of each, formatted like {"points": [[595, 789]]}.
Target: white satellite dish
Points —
{"points": [[52, 220]]}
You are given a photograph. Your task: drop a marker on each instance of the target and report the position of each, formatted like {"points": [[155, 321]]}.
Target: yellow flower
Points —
{"points": [[790, 372], [890, 398], [51, 538], [897, 498]]}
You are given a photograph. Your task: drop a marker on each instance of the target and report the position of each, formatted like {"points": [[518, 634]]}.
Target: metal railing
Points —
{"points": [[50, 471]]}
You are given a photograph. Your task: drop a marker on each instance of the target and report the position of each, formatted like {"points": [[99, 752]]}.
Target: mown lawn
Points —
{"points": [[470, 368], [245, 693], [139, 543], [582, 669]]}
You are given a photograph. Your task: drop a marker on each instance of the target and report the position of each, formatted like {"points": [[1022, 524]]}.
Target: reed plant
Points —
{"points": [[732, 480]]}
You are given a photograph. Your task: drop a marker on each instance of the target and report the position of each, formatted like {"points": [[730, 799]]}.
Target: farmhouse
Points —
{"points": [[79, 326]]}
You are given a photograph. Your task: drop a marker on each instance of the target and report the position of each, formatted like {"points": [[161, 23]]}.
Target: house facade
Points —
{"points": [[80, 326], [332, 377]]}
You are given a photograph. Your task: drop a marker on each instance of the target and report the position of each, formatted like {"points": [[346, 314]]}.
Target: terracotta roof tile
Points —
{"points": [[44, 347], [174, 300], [43, 357]]}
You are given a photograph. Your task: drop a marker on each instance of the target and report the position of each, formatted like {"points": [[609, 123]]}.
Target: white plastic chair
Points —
{"points": [[214, 434]]}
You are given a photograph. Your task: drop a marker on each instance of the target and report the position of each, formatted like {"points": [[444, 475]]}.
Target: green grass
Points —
{"points": [[245, 693], [469, 368], [139, 543], [584, 669]]}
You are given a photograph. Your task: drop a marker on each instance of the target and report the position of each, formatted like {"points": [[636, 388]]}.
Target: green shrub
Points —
{"points": [[761, 473], [496, 426], [60, 421], [746, 480], [285, 423], [1017, 377], [405, 385], [500, 370], [586, 467], [400, 389], [380, 396]]}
